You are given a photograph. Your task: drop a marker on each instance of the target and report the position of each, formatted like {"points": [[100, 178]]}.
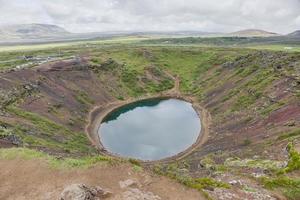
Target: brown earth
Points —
{"points": [[34, 179], [59, 83]]}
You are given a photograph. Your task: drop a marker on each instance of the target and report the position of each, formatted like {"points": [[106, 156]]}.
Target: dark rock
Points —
{"points": [[14, 139]]}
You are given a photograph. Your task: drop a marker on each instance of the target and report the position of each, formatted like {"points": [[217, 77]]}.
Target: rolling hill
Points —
{"points": [[41, 33], [31, 31], [253, 33], [295, 34]]}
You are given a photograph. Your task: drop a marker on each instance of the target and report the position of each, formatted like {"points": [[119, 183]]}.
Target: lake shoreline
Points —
{"points": [[98, 113]]}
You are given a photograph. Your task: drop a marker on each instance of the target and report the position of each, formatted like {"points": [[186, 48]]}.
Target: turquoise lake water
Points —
{"points": [[150, 129]]}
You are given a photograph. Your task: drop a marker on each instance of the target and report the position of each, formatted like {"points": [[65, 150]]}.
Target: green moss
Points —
{"points": [[81, 162], [137, 168], [180, 175], [50, 134], [44, 124], [298, 94], [130, 78], [249, 189], [28, 154], [260, 80], [134, 161], [207, 162], [120, 98], [271, 108], [96, 60], [208, 182], [83, 98], [231, 94], [247, 142], [289, 187], [246, 71], [159, 87], [243, 102], [294, 159], [251, 163], [289, 135], [5, 132]]}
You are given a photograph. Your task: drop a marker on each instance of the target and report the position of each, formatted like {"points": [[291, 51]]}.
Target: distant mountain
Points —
{"points": [[253, 33], [43, 33], [31, 31], [294, 34]]}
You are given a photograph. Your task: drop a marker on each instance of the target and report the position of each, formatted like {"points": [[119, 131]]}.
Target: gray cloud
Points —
{"points": [[155, 15]]}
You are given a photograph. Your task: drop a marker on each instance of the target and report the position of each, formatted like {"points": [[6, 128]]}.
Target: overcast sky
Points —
{"points": [[281, 16]]}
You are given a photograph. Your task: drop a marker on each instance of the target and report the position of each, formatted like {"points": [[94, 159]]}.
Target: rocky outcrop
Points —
{"points": [[8, 137], [8, 97], [133, 191], [83, 192], [130, 190]]}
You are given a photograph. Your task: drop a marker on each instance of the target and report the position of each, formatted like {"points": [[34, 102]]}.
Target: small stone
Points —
{"points": [[233, 182], [290, 123], [100, 192], [136, 194], [128, 183]]}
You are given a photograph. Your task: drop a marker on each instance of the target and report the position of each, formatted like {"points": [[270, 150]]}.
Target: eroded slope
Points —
{"points": [[253, 98]]}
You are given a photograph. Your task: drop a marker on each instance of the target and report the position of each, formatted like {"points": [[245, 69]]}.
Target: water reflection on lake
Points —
{"points": [[150, 129]]}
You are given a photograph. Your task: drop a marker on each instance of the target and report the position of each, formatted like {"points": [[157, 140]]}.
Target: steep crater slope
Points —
{"points": [[254, 102], [47, 107], [253, 98]]}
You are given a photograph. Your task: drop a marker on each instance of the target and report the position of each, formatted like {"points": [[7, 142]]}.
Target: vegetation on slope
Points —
{"points": [[225, 41], [83, 162], [243, 89], [44, 133]]}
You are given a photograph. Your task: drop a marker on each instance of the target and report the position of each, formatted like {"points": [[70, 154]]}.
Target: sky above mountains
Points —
{"points": [[281, 16]]}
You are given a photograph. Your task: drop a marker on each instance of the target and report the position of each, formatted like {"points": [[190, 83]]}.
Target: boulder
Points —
{"points": [[83, 192]]}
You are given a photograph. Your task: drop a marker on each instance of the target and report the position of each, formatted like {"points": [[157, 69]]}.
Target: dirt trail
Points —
{"points": [[34, 179], [176, 89]]}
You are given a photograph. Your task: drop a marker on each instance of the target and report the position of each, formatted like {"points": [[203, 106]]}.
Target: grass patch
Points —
{"points": [[83, 98], [44, 124], [5, 132], [135, 162], [251, 163], [243, 102], [289, 187], [180, 175], [130, 78], [137, 168], [290, 135], [50, 134], [247, 142], [28, 154], [294, 159], [271, 108]]}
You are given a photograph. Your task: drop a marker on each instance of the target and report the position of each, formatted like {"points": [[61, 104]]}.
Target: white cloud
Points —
{"points": [[155, 15]]}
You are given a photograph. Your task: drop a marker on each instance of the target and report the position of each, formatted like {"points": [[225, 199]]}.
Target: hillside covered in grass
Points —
{"points": [[252, 95]]}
